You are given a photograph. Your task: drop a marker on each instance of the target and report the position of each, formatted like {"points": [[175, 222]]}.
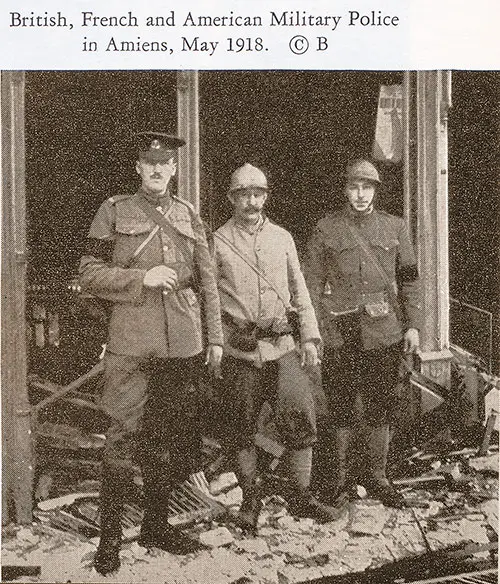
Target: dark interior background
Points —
{"points": [[474, 211], [79, 152], [301, 127]]}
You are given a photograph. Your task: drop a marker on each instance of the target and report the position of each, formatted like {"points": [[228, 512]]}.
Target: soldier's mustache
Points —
{"points": [[252, 209], [156, 175]]}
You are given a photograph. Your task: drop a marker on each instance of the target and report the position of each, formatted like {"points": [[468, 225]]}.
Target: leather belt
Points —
{"points": [[253, 328]]}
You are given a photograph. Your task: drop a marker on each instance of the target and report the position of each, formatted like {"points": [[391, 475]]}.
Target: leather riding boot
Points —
{"points": [[377, 484], [115, 481], [248, 515], [343, 486], [302, 503], [156, 531], [156, 490]]}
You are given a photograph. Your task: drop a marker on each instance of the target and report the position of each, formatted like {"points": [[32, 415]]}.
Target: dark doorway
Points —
{"points": [[474, 211], [301, 127], [79, 152]]}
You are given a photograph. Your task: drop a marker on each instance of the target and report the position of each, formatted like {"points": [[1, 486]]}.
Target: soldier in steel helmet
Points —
{"points": [[148, 257], [362, 275], [261, 286]]}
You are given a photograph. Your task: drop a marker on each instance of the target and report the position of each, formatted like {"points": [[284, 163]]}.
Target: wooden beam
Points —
{"points": [[17, 455], [188, 128], [407, 186], [432, 101]]}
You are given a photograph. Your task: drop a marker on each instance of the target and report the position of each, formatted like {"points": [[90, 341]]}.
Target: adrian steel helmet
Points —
{"points": [[247, 176], [362, 169]]}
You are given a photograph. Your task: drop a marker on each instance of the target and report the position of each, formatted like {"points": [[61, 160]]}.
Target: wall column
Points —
{"points": [[188, 128], [17, 447], [432, 100]]}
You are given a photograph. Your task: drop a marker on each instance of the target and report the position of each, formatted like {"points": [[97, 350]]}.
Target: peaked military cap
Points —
{"points": [[157, 146]]}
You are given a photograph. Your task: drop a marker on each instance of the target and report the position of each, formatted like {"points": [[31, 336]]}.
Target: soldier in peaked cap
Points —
{"points": [[260, 281], [362, 276], [148, 256]]}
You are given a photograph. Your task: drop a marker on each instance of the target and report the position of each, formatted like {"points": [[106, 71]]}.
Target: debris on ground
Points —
{"points": [[369, 517], [217, 537], [450, 491]]}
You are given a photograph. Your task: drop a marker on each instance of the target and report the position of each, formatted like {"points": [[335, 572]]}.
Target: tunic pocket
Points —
{"points": [[132, 226]]}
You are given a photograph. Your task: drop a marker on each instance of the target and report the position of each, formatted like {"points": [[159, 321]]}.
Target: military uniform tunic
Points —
{"points": [[155, 338], [145, 322], [336, 266], [362, 347], [247, 298]]}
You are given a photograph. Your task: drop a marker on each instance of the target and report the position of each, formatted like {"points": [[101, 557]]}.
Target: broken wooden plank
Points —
{"points": [[50, 504], [490, 424], [53, 388], [10, 573], [421, 479], [68, 437], [62, 391]]}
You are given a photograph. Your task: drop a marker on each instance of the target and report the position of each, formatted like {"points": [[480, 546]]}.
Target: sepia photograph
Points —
{"points": [[250, 326]]}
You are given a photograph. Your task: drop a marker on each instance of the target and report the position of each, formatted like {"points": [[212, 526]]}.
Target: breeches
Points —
{"points": [[372, 375], [284, 385], [153, 408]]}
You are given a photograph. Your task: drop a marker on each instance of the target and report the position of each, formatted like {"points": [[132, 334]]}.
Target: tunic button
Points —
{"points": [[165, 248], [365, 283]]}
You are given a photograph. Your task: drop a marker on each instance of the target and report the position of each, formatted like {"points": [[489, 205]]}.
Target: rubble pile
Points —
{"points": [[453, 504]]}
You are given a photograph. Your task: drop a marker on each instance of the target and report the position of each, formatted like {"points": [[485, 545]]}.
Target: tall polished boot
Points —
{"points": [[377, 484], [114, 485], [247, 518], [301, 502], [156, 531], [343, 487], [248, 515]]}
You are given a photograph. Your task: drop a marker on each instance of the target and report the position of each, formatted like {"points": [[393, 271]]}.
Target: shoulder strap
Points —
{"points": [[369, 253], [252, 265], [367, 250], [139, 249], [178, 239]]}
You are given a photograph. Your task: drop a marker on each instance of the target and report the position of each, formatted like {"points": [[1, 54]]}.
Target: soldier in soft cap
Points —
{"points": [[262, 360], [153, 280], [368, 307]]}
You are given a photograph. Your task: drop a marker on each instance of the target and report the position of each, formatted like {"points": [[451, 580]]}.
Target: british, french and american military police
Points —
{"points": [[177, 304]]}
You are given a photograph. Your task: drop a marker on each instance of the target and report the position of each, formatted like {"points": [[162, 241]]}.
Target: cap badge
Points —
{"points": [[155, 145]]}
